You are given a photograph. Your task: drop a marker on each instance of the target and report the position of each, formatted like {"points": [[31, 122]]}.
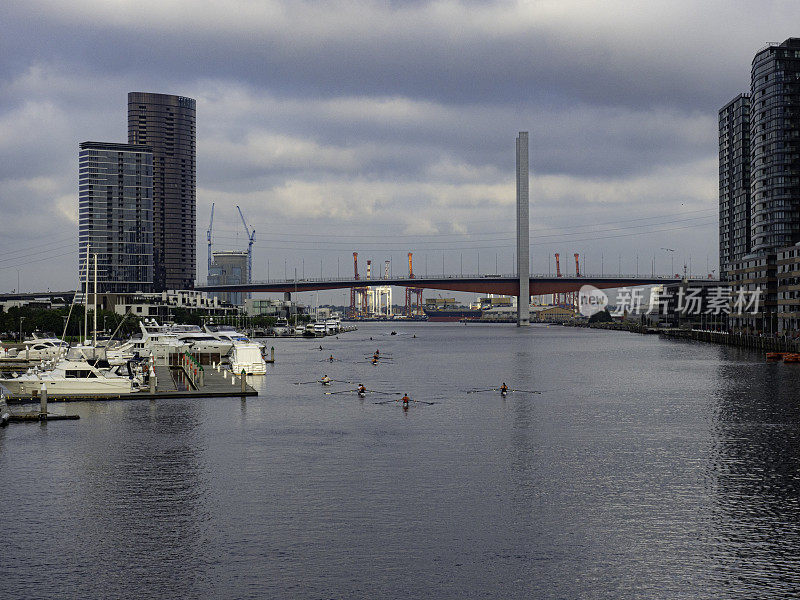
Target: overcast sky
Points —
{"points": [[388, 127]]}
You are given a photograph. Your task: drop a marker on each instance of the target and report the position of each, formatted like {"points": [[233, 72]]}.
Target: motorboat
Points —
{"points": [[71, 378], [333, 326], [40, 349], [199, 340], [320, 329], [281, 327], [247, 357], [226, 334], [158, 341]]}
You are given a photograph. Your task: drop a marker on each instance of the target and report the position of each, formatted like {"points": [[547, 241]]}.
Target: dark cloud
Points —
{"points": [[386, 118]]}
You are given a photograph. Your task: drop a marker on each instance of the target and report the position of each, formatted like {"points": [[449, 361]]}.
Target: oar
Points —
{"points": [[486, 390], [339, 392], [306, 382], [417, 401], [526, 391]]}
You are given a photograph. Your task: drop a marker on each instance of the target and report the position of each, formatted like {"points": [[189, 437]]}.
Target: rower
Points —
{"points": [[361, 389], [331, 358], [406, 400], [377, 352], [504, 389], [374, 361], [325, 380]]}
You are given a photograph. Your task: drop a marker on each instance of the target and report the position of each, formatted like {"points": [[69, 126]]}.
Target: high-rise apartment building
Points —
{"points": [[734, 182], [166, 124], [115, 215], [761, 257], [775, 147]]}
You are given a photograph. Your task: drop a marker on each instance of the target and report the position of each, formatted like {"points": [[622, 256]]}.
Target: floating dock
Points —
{"points": [[172, 382]]}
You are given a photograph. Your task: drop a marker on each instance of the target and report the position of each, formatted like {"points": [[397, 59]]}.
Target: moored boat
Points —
{"points": [[70, 378]]}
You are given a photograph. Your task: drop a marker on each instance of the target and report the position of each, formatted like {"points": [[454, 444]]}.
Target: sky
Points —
{"points": [[389, 127]]}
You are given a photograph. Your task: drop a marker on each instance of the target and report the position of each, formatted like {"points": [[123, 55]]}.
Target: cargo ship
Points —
{"points": [[452, 314]]}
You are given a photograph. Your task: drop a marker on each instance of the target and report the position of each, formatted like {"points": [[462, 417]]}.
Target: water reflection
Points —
{"points": [[754, 477]]}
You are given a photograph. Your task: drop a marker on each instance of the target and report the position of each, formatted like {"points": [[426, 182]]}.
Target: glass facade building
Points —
{"points": [[775, 147], [734, 182], [115, 215], [229, 268], [166, 123]]}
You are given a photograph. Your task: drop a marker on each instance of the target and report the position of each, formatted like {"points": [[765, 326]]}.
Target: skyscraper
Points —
{"points": [[116, 215], [734, 182], [775, 147], [773, 166], [166, 123]]}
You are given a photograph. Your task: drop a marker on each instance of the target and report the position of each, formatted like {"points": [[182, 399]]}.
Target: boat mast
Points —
{"points": [[94, 306]]}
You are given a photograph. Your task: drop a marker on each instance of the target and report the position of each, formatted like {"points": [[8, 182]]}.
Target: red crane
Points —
{"points": [[558, 267], [412, 292], [353, 310], [577, 265]]}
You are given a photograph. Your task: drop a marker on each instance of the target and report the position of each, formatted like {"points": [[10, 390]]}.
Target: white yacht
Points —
{"points": [[245, 354], [71, 378], [199, 340], [157, 340], [333, 326], [281, 327], [40, 349], [247, 357]]}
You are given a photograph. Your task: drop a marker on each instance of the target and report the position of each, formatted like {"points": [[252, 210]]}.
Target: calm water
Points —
{"points": [[644, 469]]}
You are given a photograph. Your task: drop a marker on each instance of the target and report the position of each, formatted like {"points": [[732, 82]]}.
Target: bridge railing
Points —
{"points": [[367, 282]]}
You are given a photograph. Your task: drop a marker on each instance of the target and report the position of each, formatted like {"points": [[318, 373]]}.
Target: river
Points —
{"points": [[644, 468]]}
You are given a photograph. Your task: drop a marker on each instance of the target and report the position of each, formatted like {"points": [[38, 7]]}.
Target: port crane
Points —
{"points": [[208, 236], [412, 293], [251, 234]]}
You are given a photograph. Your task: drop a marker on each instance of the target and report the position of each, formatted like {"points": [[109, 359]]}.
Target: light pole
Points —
{"points": [[672, 260], [21, 319], [19, 291]]}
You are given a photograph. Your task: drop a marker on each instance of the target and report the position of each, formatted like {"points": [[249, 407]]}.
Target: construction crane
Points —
{"points": [[411, 292], [252, 237], [208, 236], [354, 291], [577, 265], [558, 266]]}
